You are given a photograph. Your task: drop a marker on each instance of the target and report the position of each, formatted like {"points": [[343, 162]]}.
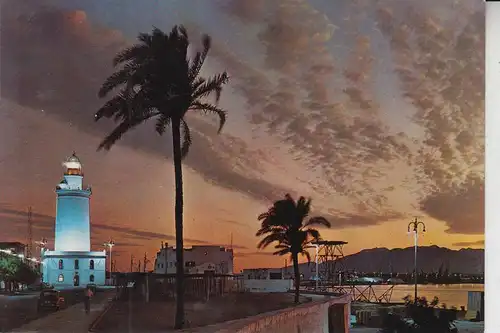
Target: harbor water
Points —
{"points": [[449, 294]]}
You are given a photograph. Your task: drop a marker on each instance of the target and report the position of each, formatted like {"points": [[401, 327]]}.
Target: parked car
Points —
{"points": [[50, 300], [39, 286]]}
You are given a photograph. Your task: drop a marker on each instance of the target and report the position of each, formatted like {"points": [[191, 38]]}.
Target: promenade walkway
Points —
{"points": [[70, 320]]}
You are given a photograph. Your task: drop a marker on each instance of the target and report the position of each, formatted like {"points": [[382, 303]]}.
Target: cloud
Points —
{"points": [[34, 35], [313, 91], [252, 254], [247, 11], [461, 206], [469, 244], [324, 124], [440, 64], [44, 224]]}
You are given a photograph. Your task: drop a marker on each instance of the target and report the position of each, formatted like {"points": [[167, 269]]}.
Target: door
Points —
{"points": [[336, 319], [76, 280]]}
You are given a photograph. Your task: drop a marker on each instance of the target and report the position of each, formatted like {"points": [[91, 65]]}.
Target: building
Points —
{"points": [[14, 247], [264, 274], [197, 260], [72, 264]]}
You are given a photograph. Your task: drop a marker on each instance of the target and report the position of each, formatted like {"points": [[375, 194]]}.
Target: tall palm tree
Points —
{"points": [[285, 224], [156, 80]]}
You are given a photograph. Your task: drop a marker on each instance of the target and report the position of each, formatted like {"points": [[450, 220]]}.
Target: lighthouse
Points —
{"points": [[72, 209], [72, 263]]}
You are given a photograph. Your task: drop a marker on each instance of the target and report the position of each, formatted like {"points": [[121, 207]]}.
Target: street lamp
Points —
{"points": [[42, 244], [110, 245], [317, 266], [413, 226]]}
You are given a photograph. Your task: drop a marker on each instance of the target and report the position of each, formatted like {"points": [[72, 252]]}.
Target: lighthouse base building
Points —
{"points": [[72, 264]]}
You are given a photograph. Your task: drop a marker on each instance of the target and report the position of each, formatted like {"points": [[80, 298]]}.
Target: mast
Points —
{"points": [[29, 245]]}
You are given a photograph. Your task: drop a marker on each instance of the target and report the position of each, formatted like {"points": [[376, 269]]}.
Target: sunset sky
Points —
{"points": [[374, 109]]}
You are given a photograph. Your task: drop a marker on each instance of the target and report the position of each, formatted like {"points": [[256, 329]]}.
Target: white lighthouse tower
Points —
{"points": [[72, 263]]}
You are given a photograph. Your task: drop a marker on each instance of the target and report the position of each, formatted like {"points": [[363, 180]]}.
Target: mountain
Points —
{"points": [[429, 259]]}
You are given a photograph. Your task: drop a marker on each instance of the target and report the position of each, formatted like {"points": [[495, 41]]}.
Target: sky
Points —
{"points": [[374, 109]]}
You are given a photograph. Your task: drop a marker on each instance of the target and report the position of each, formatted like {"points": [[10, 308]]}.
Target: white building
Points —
{"points": [[264, 274], [72, 264], [197, 260]]}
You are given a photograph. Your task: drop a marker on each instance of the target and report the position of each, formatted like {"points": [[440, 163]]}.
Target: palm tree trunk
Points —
{"points": [[179, 241], [295, 259]]}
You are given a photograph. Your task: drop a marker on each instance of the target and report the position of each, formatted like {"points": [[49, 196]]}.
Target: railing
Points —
{"points": [[359, 293], [196, 286]]}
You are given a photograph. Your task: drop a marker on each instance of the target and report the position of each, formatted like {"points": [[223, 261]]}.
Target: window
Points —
{"points": [[77, 264], [60, 278], [61, 264], [91, 278], [171, 264], [91, 264]]}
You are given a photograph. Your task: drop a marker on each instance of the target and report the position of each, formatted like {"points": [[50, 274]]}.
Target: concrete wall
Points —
{"points": [[329, 315], [267, 286]]}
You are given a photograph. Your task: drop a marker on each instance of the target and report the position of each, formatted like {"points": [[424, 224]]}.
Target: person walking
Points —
{"points": [[88, 295]]}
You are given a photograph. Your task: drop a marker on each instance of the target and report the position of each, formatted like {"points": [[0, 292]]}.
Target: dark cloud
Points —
{"points": [[33, 36], [462, 207], [44, 226]]}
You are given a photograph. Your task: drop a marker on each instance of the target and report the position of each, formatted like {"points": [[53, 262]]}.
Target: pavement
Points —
{"points": [[70, 320]]}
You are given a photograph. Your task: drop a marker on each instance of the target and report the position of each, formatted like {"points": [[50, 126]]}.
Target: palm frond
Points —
{"points": [[162, 123], [303, 208], [263, 216], [319, 221], [111, 107], [209, 108], [197, 82], [270, 239], [136, 52], [199, 58], [281, 252], [119, 131], [212, 85], [186, 143], [313, 233], [117, 79], [307, 255]]}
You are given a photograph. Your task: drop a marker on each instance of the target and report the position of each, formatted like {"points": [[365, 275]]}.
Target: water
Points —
{"points": [[450, 294]]}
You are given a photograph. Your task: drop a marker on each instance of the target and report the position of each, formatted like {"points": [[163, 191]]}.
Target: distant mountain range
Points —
{"points": [[429, 259]]}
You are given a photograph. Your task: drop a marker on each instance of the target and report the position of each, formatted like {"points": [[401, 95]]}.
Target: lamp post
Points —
{"points": [[413, 226], [317, 266], [109, 244], [42, 244]]}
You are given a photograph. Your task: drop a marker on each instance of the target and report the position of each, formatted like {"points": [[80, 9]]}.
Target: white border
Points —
{"points": [[492, 166]]}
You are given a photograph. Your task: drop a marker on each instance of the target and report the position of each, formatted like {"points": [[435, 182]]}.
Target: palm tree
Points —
{"points": [[157, 81], [285, 224]]}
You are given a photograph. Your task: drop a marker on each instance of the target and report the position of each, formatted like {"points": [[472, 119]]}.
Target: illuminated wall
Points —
{"points": [[63, 276], [72, 220]]}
